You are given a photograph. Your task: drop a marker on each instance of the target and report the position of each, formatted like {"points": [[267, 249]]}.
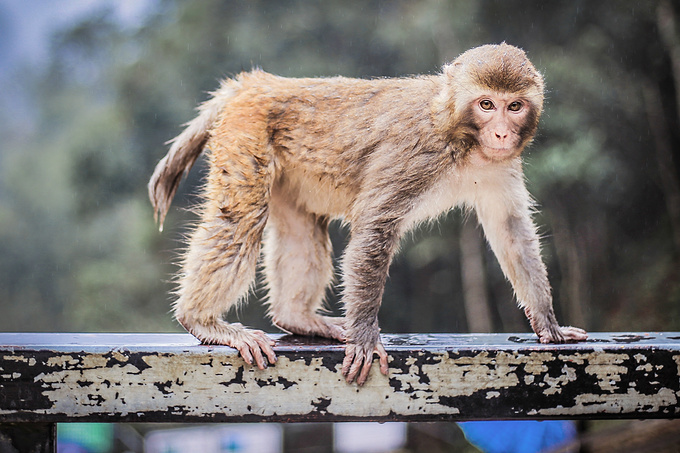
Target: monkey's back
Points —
{"points": [[322, 134]]}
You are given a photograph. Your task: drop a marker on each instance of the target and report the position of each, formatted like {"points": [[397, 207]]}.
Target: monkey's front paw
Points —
{"points": [[563, 335], [358, 360]]}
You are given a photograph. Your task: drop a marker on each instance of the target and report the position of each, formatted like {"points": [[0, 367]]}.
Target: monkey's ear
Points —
{"points": [[450, 69]]}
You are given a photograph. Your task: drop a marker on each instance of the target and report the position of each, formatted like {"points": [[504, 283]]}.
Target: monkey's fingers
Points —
{"points": [[348, 361], [358, 362], [365, 369], [382, 355], [355, 361], [359, 368], [368, 360]]}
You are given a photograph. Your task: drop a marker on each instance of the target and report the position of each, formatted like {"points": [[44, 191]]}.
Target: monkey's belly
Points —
{"points": [[314, 194]]}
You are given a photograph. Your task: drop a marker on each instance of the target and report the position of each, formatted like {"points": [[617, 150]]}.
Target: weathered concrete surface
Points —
{"points": [[170, 377]]}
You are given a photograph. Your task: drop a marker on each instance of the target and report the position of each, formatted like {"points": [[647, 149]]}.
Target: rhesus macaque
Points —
{"points": [[289, 155]]}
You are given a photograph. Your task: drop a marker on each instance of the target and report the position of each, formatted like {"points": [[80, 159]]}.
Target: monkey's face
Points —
{"points": [[495, 96], [505, 123]]}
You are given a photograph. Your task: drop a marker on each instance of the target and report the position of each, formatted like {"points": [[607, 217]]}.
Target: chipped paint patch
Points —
{"points": [[629, 402]]}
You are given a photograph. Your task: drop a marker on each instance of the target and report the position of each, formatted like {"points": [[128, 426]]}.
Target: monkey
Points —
{"points": [[289, 155]]}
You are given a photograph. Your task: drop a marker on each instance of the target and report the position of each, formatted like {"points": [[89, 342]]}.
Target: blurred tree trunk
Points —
{"points": [[664, 156], [473, 276], [670, 185]]}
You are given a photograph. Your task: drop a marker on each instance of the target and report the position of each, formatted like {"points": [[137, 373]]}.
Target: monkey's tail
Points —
{"points": [[185, 149]]}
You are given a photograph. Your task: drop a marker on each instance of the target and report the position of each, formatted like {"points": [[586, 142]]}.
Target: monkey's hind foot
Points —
{"points": [[254, 345], [562, 335], [312, 325]]}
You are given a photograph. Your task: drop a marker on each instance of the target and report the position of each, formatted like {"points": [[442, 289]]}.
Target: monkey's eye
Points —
{"points": [[515, 106], [486, 105]]}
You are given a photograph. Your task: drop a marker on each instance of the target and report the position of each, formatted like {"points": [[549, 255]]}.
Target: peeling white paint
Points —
{"points": [[555, 384], [640, 358], [17, 358], [646, 367], [200, 386], [605, 366], [196, 384], [630, 402]]}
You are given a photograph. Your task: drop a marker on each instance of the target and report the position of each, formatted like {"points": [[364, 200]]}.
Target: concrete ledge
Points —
{"points": [[47, 378]]}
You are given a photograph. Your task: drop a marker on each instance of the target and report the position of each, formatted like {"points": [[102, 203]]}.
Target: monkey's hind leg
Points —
{"points": [[298, 269], [219, 266]]}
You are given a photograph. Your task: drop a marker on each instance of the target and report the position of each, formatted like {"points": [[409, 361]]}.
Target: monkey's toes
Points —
{"points": [[557, 334], [255, 345], [313, 325], [336, 327], [574, 334]]}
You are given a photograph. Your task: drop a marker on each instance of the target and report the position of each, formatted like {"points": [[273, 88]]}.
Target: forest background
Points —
{"points": [[82, 131]]}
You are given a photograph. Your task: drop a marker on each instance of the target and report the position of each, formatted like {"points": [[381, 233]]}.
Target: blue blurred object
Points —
{"points": [[84, 437], [518, 436]]}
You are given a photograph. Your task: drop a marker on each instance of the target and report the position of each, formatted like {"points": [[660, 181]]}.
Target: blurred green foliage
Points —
{"points": [[78, 246]]}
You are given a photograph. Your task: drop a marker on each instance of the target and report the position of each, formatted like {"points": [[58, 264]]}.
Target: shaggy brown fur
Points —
{"points": [[288, 155]]}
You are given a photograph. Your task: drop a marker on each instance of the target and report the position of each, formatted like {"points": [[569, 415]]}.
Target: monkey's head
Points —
{"points": [[491, 102]]}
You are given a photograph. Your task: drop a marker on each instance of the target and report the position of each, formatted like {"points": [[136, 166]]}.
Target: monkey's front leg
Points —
{"points": [[512, 235], [367, 260]]}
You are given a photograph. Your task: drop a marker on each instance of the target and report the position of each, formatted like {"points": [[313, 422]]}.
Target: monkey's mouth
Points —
{"points": [[496, 154], [499, 150]]}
